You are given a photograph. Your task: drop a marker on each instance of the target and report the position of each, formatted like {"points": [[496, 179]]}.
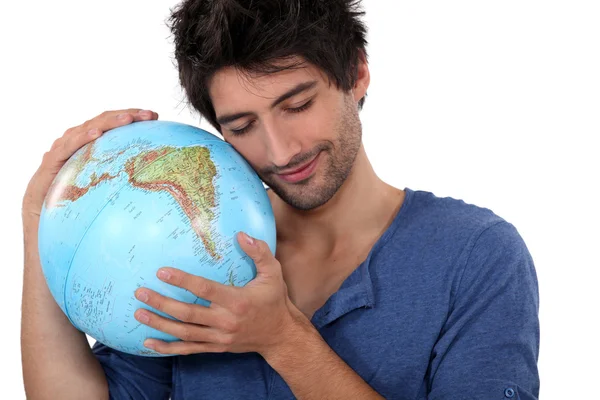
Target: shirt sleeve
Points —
{"points": [[489, 345], [135, 377]]}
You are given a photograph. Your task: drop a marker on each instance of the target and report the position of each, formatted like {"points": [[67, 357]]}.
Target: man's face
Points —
{"points": [[300, 134]]}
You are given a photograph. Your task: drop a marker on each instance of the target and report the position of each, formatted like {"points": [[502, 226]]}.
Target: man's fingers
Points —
{"points": [[144, 115], [77, 137], [115, 119], [74, 143], [206, 289], [112, 119]]}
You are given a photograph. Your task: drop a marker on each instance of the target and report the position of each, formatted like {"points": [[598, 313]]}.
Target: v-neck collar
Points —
{"points": [[357, 290]]}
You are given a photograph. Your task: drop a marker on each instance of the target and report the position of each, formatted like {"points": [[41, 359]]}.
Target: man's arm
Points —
{"points": [[56, 357], [488, 347], [313, 370]]}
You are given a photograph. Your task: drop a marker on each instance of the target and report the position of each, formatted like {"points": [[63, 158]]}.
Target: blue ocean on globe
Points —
{"points": [[140, 197]]}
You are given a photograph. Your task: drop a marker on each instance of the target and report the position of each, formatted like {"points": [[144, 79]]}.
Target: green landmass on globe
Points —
{"points": [[185, 173]]}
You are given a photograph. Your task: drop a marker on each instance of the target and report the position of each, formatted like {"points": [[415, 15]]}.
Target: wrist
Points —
{"points": [[296, 337]]}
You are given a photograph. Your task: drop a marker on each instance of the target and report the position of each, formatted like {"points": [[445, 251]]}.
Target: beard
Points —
{"points": [[338, 158]]}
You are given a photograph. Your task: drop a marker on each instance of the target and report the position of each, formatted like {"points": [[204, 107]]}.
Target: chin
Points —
{"points": [[307, 195]]}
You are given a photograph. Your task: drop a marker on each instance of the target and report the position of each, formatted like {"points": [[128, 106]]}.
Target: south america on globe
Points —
{"points": [[143, 196]]}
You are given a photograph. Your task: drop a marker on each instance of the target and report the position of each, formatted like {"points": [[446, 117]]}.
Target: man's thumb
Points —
{"points": [[258, 251]]}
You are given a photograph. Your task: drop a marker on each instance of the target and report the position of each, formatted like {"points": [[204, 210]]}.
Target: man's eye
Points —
{"points": [[301, 108], [243, 130]]}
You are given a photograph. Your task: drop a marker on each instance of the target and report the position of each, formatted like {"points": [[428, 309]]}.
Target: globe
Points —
{"points": [[140, 197]]}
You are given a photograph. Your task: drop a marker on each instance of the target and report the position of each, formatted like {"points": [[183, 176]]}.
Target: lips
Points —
{"points": [[299, 168], [302, 172]]}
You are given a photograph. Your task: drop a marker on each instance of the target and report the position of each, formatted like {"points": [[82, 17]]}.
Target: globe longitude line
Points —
{"points": [[200, 144]]}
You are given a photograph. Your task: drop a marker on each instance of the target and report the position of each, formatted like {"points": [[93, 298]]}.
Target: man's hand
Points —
{"points": [[258, 317], [65, 146]]}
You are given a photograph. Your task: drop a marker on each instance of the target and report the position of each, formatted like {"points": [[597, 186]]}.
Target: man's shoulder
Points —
{"points": [[431, 215], [435, 235], [460, 230]]}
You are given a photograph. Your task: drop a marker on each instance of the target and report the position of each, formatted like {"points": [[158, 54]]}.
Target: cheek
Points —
{"points": [[329, 118], [317, 125], [251, 150]]}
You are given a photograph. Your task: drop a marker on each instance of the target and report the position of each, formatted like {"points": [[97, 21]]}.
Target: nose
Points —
{"points": [[281, 143]]}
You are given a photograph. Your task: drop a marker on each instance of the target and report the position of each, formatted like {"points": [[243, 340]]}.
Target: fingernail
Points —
{"points": [[249, 239], [143, 317], [122, 116], [149, 344], [162, 274], [142, 296], [145, 113], [93, 132]]}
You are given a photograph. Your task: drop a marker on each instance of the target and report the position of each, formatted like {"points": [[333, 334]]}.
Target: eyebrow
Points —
{"points": [[222, 120]]}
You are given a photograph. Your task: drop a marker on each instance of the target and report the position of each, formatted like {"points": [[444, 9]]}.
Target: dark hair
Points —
{"points": [[257, 35]]}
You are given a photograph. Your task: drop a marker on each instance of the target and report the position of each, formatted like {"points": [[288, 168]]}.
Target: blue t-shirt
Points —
{"points": [[444, 307]]}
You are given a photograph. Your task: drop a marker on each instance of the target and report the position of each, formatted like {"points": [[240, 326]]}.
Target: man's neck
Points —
{"points": [[364, 206]]}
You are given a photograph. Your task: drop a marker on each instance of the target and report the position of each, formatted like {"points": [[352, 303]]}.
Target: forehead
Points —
{"points": [[231, 88]]}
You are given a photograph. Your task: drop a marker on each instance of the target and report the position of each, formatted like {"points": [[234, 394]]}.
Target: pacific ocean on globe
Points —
{"points": [[140, 197]]}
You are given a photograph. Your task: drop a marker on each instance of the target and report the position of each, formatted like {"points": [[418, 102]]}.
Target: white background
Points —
{"points": [[495, 103]]}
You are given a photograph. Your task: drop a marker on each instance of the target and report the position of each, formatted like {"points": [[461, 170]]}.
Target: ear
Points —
{"points": [[363, 77]]}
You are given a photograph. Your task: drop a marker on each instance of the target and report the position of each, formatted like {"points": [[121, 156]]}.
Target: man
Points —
{"points": [[374, 292]]}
